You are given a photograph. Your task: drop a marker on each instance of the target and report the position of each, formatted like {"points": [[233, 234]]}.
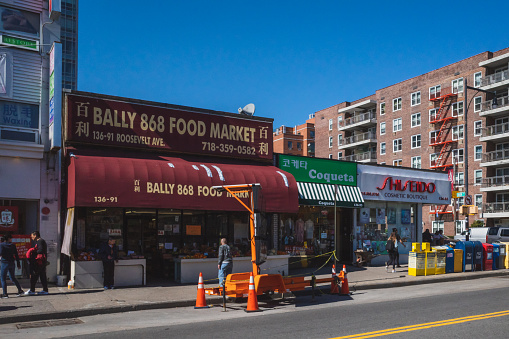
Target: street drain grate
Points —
{"points": [[49, 323]]}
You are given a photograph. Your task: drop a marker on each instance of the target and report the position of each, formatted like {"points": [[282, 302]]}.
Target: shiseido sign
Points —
{"points": [[410, 185], [404, 185], [110, 122]]}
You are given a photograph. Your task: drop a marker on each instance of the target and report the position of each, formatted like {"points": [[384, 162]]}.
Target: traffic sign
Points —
{"points": [[468, 199]]}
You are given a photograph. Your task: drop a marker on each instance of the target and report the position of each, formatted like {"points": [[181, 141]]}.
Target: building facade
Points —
{"points": [[31, 78], [444, 120], [298, 140]]}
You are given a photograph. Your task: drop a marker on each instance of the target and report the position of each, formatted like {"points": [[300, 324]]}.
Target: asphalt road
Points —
{"points": [[466, 309]]}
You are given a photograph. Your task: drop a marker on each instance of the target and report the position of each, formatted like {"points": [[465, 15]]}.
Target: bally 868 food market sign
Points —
{"points": [[95, 120]]}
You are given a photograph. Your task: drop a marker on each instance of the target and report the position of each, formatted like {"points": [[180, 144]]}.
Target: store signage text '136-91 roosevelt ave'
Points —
{"points": [[118, 123]]}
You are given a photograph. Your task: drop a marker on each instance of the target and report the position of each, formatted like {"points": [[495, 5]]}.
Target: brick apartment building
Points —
{"points": [[298, 140], [433, 121]]}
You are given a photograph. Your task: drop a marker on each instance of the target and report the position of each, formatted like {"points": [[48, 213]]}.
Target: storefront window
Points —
{"points": [[377, 221], [95, 228], [311, 232]]}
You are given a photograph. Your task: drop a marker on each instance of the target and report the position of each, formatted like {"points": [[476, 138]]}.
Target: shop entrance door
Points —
{"points": [[141, 239], [345, 235]]}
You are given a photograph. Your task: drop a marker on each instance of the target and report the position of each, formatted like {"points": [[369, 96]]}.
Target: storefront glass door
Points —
{"points": [[141, 239]]}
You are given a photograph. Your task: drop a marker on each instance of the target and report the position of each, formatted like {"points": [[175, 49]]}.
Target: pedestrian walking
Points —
{"points": [[391, 250], [9, 255], [225, 262], [109, 255], [398, 242], [38, 264]]}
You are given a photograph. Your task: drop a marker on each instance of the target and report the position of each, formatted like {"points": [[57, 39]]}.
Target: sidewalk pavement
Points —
{"points": [[62, 303]]}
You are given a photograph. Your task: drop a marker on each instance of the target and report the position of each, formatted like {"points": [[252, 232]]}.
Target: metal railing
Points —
{"points": [[361, 156], [498, 129], [488, 105], [366, 116], [496, 207], [494, 78], [357, 138], [495, 156], [497, 181]]}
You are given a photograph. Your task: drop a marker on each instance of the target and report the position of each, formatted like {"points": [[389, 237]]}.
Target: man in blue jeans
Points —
{"points": [[225, 262], [9, 254]]}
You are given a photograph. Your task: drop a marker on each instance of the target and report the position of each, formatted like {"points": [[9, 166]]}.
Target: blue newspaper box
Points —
{"points": [[496, 256], [449, 260], [478, 256], [468, 254]]}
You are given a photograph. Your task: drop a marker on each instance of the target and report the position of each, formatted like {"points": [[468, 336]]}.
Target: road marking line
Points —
{"points": [[425, 325]]}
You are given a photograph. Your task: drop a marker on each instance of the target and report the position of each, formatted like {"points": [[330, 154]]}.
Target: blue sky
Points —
{"points": [[289, 58]]}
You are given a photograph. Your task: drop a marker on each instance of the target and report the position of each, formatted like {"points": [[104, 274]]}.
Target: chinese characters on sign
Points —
{"points": [[115, 123], [8, 219]]}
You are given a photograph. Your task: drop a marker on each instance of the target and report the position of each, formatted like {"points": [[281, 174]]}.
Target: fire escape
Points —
{"points": [[441, 139]]}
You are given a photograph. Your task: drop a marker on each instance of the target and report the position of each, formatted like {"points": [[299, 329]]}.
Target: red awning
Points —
{"points": [[165, 182]]}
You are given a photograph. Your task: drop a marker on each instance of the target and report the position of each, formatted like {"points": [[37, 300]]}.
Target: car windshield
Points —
{"points": [[493, 231]]}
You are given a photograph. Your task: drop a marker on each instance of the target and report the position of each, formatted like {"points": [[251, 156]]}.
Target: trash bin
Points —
{"points": [[487, 257], [458, 260], [468, 254], [441, 257], [478, 257], [449, 260], [496, 255]]}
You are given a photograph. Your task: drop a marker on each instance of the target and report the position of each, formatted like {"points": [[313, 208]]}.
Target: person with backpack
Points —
{"points": [[391, 250], [225, 262], [9, 255]]}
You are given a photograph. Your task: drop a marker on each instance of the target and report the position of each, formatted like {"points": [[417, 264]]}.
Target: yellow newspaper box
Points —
{"points": [[504, 257], [458, 261], [431, 263], [416, 247], [441, 255], [426, 247], [416, 263]]}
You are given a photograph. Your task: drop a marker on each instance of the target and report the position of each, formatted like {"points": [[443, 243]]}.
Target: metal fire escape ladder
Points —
{"points": [[443, 139]]}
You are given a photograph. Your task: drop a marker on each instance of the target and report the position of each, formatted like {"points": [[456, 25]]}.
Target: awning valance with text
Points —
{"points": [[167, 182]]}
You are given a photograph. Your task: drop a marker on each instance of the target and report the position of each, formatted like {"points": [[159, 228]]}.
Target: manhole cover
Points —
{"points": [[49, 323]]}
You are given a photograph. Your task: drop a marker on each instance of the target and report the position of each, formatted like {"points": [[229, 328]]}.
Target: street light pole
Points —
{"points": [[466, 159]]}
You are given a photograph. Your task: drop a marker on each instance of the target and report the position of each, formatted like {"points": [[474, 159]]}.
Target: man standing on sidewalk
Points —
{"points": [[109, 254], [225, 262], [398, 241], [38, 266], [9, 254]]}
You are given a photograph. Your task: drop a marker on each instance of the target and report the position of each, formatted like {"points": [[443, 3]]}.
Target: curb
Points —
{"points": [[105, 310], [219, 300]]}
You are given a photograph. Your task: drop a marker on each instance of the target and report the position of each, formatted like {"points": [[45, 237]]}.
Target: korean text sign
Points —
{"points": [[319, 170]]}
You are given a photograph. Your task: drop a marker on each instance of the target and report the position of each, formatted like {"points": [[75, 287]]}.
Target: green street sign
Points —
{"points": [[324, 171], [21, 43]]}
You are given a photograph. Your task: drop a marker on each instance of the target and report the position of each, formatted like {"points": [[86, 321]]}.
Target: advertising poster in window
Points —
{"points": [[380, 215], [8, 219], [364, 218], [405, 216], [391, 215]]}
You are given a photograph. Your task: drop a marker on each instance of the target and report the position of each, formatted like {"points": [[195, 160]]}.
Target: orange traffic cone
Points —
{"points": [[200, 297], [344, 286], [334, 283], [252, 299]]}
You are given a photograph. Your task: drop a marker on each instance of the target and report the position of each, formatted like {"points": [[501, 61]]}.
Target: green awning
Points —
{"points": [[314, 194]]}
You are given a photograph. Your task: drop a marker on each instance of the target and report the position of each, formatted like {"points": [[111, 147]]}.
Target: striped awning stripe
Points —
{"points": [[320, 194]]}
